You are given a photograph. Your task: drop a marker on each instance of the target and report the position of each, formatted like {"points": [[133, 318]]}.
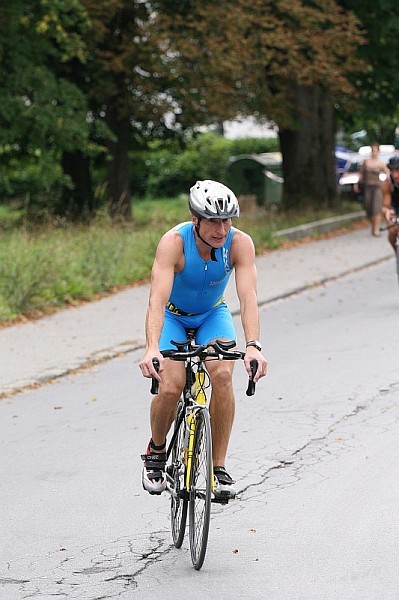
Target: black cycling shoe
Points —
{"points": [[224, 485], [154, 476]]}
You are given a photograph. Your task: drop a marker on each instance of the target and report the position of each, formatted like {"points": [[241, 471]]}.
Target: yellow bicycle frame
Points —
{"points": [[200, 397]]}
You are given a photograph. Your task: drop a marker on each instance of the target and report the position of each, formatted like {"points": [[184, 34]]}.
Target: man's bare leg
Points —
{"points": [[222, 408], [163, 410], [163, 405]]}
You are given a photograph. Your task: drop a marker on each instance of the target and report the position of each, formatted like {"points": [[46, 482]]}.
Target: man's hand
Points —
{"points": [[389, 214], [251, 353], [147, 366]]}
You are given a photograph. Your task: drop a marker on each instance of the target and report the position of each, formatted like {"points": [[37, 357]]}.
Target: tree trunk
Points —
{"points": [[118, 166], [308, 151], [78, 203]]}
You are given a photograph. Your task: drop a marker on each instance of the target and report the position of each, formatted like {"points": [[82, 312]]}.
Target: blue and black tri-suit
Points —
{"points": [[196, 301]]}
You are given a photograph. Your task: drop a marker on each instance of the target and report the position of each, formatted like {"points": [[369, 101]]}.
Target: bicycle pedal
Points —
{"points": [[224, 495], [221, 500]]}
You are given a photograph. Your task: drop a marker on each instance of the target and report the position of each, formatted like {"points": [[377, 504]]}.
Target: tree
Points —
{"points": [[158, 67], [307, 53], [202, 50], [285, 60], [377, 87], [41, 114], [125, 75]]}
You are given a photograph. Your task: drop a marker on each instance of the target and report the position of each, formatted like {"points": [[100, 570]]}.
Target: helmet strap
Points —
{"points": [[213, 250]]}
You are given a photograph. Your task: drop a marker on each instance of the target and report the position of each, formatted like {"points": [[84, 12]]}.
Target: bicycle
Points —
{"points": [[394, 223], [189, 469]]}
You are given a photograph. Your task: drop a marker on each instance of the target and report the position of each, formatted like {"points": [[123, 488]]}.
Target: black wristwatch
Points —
{"points": [[256, 344]]}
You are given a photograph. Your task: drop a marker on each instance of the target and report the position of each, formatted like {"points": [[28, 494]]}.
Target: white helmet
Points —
{"points": [[212, 200]]}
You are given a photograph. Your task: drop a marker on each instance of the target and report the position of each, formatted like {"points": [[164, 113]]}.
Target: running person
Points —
{"points": [[192, 267], [390, 191]]}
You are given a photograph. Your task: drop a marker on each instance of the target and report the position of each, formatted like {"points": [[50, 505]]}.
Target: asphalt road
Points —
{"points": [[315, 454], [39, 351]]}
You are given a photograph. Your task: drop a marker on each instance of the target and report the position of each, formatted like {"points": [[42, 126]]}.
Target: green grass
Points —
{"points": [[54, 265]]}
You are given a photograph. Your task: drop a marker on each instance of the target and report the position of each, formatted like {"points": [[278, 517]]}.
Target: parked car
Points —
{"points": [[352, 173], [342, 160]]}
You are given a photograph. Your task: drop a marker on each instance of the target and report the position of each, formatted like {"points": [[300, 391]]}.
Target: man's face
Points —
{"points": [[395, 175], [214, 231]]}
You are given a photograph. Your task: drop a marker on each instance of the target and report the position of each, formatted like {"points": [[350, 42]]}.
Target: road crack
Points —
{"points": [[314, 449]]}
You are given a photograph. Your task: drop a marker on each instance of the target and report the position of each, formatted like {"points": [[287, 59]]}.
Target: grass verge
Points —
{"points": [[51, 266]]}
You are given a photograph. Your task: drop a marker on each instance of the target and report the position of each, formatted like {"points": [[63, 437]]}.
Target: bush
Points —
{"points": [[34, 180], [169, 171]]}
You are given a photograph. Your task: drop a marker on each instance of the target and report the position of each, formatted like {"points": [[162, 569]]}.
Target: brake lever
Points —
{"points": [[155, 382], [251, 384]]}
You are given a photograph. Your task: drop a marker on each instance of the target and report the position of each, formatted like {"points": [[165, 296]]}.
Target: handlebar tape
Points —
{"points": [[251, 384], [155, 382]]}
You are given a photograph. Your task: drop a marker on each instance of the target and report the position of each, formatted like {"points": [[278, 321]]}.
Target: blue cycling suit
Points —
{"points": [[196, 300]]}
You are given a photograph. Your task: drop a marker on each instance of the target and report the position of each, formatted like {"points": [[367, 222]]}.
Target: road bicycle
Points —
{"points": [[189, 470], [394, 222]]}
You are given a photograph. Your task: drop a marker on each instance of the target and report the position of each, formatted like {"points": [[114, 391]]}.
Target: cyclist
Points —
{"points": [[390, 190], [192, 266]]}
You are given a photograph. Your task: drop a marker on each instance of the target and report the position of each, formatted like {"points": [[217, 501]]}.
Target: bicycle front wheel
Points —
{"points": [[179, 497], [397, 256], [200, 489]]}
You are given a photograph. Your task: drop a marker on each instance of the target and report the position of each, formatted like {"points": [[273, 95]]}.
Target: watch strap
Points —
{"points": [[254, 343]]}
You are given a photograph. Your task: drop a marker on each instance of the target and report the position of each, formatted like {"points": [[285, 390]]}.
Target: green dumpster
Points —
{"points": [[259, 175]]}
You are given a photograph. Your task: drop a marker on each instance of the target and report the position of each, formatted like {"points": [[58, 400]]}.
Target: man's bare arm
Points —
{"points": [[166, 260], [386, 200], [246, 285]]}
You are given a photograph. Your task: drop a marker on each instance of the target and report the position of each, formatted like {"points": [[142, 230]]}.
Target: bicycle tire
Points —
{"points": [[200, 489], [178, 498], [397, 256]]}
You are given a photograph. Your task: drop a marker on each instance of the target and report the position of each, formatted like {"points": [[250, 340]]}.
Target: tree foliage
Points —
{"points": [[377, 87], [38, 109], [86, 81], [285, 60], [42, 113]]}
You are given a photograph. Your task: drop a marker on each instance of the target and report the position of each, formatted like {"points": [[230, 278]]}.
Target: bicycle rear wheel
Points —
{"points": [[200, 489], [179, 497]]}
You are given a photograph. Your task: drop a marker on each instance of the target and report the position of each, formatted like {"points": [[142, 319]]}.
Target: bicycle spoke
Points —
{"points": [[200, 490]]}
